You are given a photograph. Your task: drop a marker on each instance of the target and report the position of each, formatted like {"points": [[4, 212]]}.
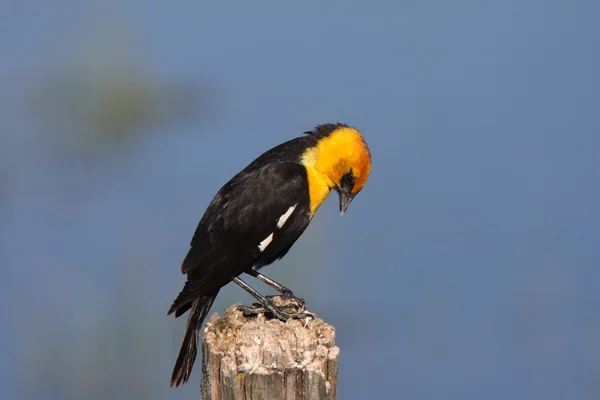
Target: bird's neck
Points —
{"points": [[318, 187]]}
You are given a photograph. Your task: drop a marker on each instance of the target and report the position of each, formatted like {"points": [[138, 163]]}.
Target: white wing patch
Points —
{"points": [[281, 221], [263, 245]]}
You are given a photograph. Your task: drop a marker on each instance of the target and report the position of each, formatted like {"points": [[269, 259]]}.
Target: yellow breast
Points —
{"points": [[317, 187]]}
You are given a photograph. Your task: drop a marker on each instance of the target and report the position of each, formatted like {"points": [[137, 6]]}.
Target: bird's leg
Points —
{"points": [[267, 304], [277, 286], [285, 292]]}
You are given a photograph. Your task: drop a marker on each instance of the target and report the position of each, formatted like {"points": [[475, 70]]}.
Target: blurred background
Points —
{"points": [[467, 268]]}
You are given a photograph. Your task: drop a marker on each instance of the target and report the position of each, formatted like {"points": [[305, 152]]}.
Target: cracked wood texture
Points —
{"points": [[258, 358]]}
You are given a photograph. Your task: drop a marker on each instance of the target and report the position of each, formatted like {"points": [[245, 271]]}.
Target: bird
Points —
{"points": [[257, 216]]}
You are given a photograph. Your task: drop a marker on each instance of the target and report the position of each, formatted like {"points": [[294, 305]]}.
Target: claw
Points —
{"points": [[279, 311], [291, 296], [302, 315], [254, 310]]}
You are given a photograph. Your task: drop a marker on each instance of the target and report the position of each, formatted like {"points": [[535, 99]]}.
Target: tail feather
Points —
{"points": [[184, 299], [189, 345], [183, 309]]}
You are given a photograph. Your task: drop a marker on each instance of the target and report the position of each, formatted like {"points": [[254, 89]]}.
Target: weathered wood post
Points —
{"points": [[257, 358]]}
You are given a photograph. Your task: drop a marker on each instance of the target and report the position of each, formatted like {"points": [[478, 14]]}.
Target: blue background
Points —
{"points": [[467, 268]]}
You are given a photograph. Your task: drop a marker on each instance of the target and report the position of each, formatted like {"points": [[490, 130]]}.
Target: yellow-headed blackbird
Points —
{"points": [[256, 217]]}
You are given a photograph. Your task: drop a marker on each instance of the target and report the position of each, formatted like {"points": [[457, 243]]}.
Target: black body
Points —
{"points": [[226, 242], [242, 214]]}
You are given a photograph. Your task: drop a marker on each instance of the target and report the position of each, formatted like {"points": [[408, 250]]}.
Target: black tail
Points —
{"points": [[189, 345]]}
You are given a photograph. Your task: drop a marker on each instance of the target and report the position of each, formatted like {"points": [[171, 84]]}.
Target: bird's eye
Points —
{"points": [[347, 182]]}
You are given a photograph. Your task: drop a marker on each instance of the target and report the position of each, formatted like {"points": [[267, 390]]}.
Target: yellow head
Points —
{"points": [[342, 158]]}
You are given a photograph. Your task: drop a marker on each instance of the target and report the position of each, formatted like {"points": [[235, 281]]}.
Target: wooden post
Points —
{"points": [[257, 358]]}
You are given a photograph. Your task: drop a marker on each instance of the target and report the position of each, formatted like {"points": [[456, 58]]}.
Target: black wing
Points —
{"points": [[252, 221]]}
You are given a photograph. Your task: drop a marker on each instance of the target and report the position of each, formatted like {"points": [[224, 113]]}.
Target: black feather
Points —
{"points": [[189, 344], [324, 130]]}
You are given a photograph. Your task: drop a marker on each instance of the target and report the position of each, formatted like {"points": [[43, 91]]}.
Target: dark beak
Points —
{"points": [[345, 200], [344, 189]]}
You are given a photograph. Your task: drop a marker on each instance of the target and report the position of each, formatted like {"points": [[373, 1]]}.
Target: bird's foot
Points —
{"points": [[281, 307], [288, 295]]}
